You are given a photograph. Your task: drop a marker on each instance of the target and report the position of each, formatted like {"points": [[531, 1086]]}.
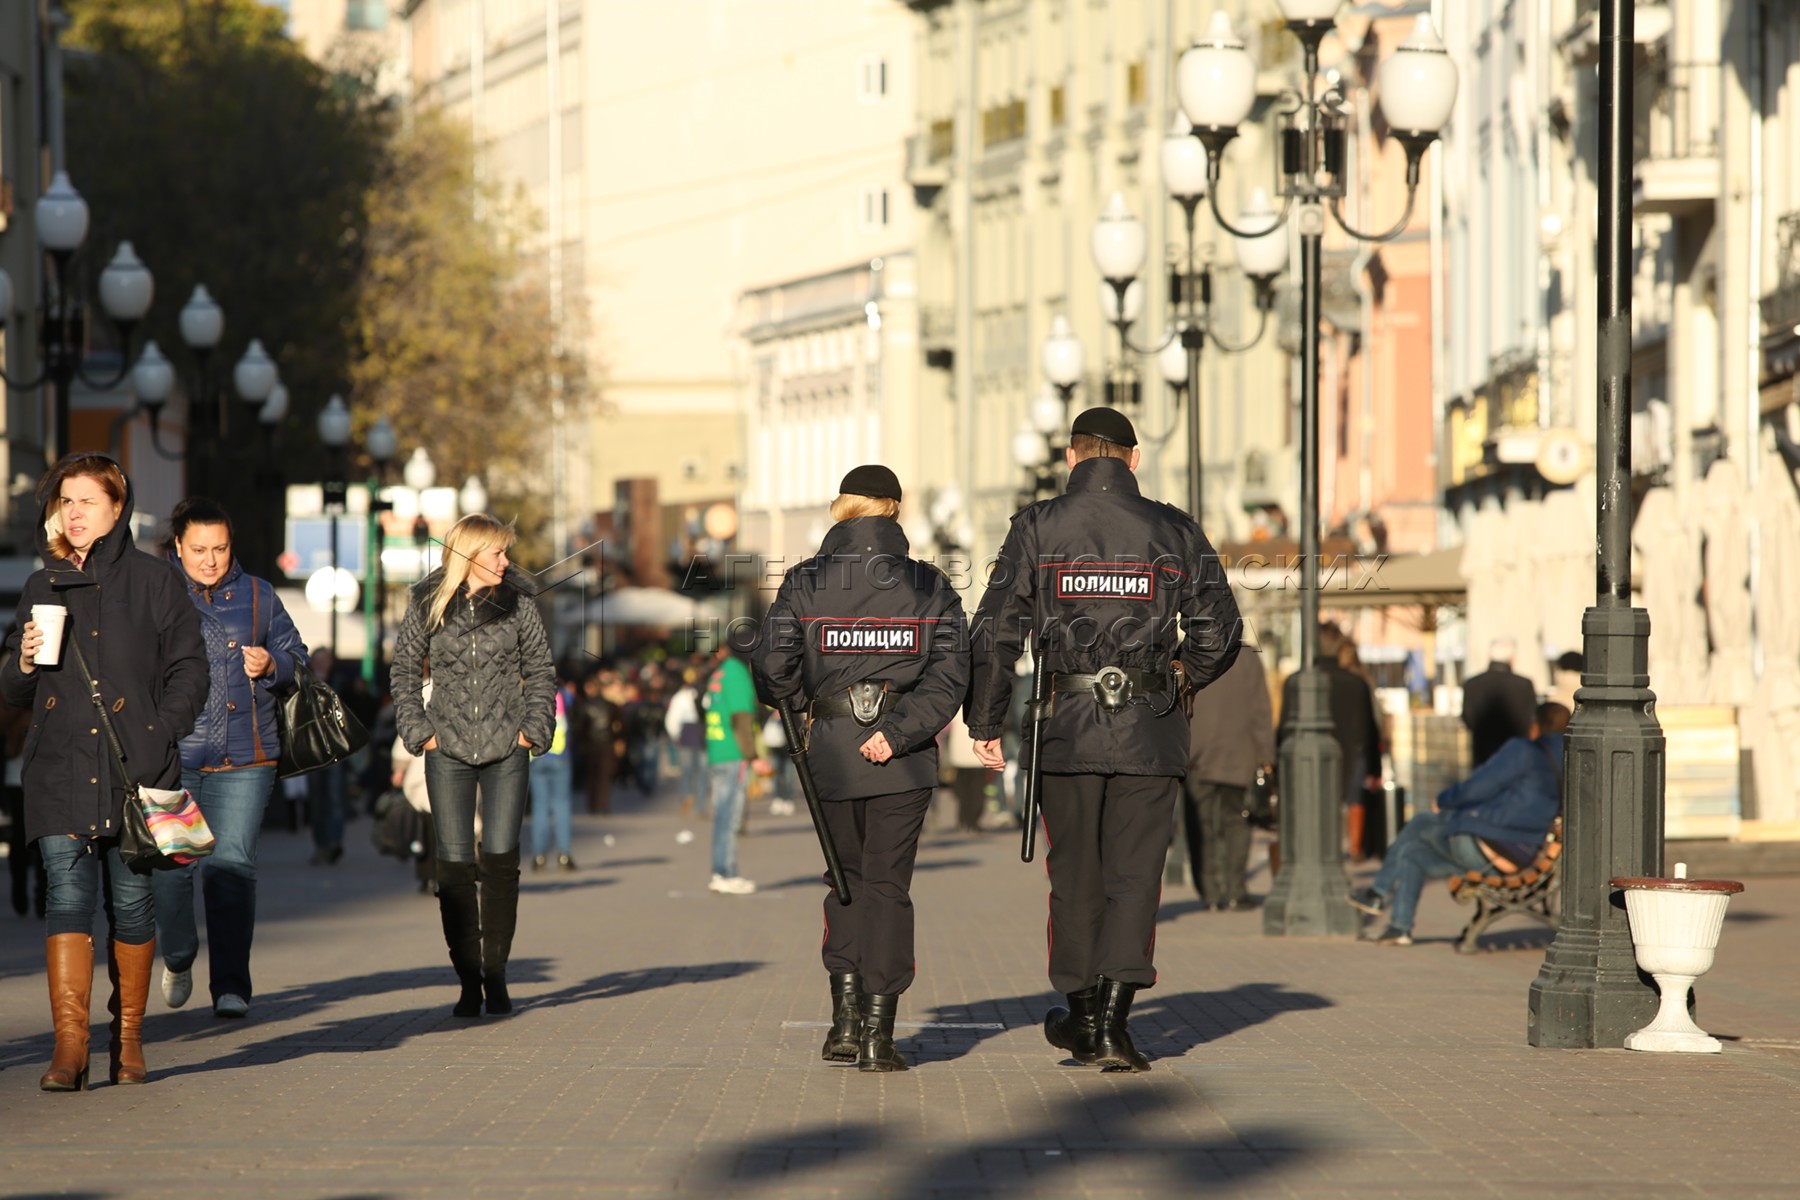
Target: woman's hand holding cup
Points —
{"points": [[29, 644]]}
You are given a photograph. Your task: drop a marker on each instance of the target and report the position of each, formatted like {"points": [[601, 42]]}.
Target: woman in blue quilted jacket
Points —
{"points": [[228, 762]]}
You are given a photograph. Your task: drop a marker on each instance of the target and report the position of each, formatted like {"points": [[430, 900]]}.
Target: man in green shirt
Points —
{"points": [[730, 752]]}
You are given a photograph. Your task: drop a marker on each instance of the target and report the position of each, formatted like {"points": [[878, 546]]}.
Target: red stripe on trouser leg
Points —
{"points": [[1049, 900]]}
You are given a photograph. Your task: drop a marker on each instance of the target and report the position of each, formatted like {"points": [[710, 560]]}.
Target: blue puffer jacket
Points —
{"points": [[237, 727], [1511, 798]]}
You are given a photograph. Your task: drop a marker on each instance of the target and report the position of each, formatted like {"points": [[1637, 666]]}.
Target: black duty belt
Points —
{"points": [[862, 702], [1114, 688]]}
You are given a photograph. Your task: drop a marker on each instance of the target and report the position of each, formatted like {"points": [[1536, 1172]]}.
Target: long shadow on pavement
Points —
{"points": [[1163, 1026], [1099, 1133]]}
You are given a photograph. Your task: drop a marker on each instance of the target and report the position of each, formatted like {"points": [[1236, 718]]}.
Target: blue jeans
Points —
{"points": [[1424, 850], [232, 803], [74, 867], [325, 796], [692, 761], [453, 786], [552, 777], [727, 806]]}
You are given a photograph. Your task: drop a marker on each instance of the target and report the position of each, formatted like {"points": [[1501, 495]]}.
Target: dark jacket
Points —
{"points": [[1512, 798], [1233, 725], [1353, 721], [141, 638], [1111, 578], [861, 609], [1497, 705], [237, 726], [491, 674]]}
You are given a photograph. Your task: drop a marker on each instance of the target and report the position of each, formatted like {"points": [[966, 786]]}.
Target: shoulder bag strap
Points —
{"points": [[259, 633], [112, 736]]}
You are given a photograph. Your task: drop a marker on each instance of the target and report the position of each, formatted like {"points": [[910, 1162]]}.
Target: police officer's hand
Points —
{"points": [[876, 749], [989, 754]]}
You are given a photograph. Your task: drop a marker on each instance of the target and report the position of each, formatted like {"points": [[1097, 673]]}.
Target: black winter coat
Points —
{"points": [[141, 638], [1112, 579], [861, 609], [492, 678], [1498, 705]]}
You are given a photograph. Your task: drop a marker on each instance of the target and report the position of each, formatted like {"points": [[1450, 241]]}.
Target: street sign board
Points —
{"points": [[309, 542]]}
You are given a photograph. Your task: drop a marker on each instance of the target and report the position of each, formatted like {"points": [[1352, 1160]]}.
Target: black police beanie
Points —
{"points": [[871, 480], [1107, 424]]}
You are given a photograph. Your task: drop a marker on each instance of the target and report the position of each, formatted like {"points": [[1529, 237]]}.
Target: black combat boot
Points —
{"points": [[1113, 1050], [499, 875], [459, 906], [846, 1019], [1073, 1028], [876, 1052]]}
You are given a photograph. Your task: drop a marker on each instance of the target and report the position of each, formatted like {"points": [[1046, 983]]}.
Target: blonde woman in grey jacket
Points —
{"points": [[493, 695]]}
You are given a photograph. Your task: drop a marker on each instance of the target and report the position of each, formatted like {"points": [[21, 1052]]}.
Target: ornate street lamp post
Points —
{"points": [[381, 445], [334, 435], [1216, 80], [1589, 993]]}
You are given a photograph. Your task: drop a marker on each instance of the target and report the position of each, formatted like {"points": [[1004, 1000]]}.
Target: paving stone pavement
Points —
{"points": [[666, 1044]]}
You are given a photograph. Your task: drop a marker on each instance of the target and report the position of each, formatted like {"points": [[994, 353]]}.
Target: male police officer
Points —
{"points": [[872, 643], [1106, 581]]}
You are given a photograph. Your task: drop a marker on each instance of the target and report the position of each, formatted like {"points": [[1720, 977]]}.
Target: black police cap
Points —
{"points": [[1107, 424], [871, 480]]}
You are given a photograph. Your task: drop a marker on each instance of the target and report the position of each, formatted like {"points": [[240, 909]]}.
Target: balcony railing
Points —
{"points": [[1781, 307], [1678, 111]]}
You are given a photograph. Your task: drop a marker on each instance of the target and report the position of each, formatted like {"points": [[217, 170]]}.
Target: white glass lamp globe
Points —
{"points": [[126, 286], [1118, 241], [275, 409], [381, 443], [1172, 361], [254, 375], [334, 424], [61, 215], [1063, 359], [1215, 79], [1030, 448], [1417, 83], [419, 472], [152, 377], [202, 320], [1308, 10], [473, 497], [1266, 252], [1183, 160]]}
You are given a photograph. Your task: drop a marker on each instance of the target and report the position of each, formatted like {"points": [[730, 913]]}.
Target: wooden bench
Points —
{"points": [[1535, 892]]}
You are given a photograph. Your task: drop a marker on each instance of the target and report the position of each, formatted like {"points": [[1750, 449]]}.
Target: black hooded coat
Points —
{"points": [[140, 636]]}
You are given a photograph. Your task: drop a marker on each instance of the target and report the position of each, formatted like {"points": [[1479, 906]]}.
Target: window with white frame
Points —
{"points": [[871, 78], [875, 207]]}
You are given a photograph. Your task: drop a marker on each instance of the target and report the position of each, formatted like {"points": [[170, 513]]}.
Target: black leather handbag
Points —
{"points": [[316, 729]]}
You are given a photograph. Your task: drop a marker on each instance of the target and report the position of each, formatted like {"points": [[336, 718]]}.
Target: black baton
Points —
{"points": [[1034, 765], [796, 740]]}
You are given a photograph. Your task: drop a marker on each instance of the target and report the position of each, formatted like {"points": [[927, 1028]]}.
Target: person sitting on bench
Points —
{"points": [[1493, 820]]}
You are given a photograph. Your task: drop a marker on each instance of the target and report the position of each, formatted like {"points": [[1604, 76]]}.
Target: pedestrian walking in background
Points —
{"points": [[595, 719], [144, 650], [228, 761], [407, 772], [1498, 704], [1353, 723], [552, 779], [1365, 828], [493, 702], [731, 756], [327, 789], [1103, 578], [869, 642], [1232, 734], [687, 734], [22, 861]]}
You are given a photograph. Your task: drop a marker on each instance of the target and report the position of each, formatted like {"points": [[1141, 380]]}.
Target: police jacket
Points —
{"points": [[1108, 578], [492, 678], [141, 638], [237, 726], [862, 610]]}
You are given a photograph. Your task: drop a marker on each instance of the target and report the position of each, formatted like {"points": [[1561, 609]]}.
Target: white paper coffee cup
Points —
{"points": [[51, 619]]}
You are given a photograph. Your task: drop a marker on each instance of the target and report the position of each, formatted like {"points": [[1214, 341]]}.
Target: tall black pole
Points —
{"points": [[1192, 339], [1588, 993], [1310, 895]]}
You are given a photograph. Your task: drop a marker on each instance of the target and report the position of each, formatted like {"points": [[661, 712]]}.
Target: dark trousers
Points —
{"points": [[876, 840], [453, 786], [1218, 839], [1107, 837]]}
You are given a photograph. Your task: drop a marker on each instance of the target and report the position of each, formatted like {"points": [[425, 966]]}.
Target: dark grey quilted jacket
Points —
{"points": [[491, 674]]}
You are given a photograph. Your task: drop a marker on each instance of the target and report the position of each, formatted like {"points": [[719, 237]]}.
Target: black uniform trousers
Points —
{"points": [[1218, 839], [877, 840], [1107, 837]]}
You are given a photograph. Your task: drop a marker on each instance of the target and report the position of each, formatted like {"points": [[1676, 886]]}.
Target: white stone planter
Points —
{"points": [[1675, 926]]}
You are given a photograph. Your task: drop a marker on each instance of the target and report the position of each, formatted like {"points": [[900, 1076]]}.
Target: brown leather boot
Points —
{"points": [[70, 959], [130, 973]]}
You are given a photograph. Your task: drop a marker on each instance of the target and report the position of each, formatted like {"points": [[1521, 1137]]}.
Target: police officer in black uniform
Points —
{"points": [[871, 644], [1103, 582]]}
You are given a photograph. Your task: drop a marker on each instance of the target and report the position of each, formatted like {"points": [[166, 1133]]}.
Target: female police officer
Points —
{"points": [[871, 644]]}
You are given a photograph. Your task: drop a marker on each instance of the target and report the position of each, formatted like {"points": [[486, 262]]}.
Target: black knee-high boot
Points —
{"points": [[459, 906], [499, 917]]}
